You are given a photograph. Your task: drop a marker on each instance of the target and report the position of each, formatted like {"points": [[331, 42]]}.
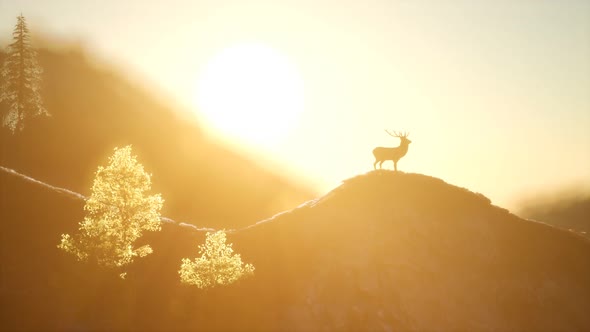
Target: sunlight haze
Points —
{"points": [[495, 94], [241, 89]]}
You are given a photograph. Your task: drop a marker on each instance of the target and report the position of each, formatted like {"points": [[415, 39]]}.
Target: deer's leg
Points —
{"points": [[395, 165], [375, 164], [381, 164]]}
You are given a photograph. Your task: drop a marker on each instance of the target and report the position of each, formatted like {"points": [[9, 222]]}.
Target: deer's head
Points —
{"points": [[402, 136]]}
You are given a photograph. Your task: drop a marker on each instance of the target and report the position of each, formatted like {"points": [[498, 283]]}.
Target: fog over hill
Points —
{"points": [[568, 209]]}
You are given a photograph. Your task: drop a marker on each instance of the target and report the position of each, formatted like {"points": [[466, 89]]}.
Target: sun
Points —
{"points": [[251, 92]]}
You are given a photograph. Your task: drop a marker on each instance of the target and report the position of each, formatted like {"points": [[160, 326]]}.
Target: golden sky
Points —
{"points": [[495, 94]]}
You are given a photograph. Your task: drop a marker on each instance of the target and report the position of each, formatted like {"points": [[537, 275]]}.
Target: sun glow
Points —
{"points": [[251, 92]]}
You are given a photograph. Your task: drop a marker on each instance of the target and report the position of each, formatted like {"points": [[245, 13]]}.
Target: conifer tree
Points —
{"points": [[21, 80], [118, 211]]}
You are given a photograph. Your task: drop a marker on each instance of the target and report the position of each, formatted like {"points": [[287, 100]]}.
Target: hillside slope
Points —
{"points": [[392, 251], [385, 251]]}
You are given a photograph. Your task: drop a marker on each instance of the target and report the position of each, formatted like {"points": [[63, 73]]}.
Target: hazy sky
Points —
{"points": [[496, 94]]}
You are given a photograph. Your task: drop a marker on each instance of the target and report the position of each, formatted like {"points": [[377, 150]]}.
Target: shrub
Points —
{"points": [[216, 266]]}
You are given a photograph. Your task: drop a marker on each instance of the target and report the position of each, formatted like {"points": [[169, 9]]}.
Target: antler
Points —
{"points": [[396, 134]]}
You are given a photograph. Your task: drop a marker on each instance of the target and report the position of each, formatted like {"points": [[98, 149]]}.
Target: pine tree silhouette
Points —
{"points": [[21, 80]]}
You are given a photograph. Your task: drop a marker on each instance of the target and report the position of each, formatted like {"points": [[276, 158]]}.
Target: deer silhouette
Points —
{"points": [[395, 154]]}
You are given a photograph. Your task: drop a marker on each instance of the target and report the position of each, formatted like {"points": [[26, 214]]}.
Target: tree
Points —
{"points": [[21, 80], [216, 266], [118, 211]]}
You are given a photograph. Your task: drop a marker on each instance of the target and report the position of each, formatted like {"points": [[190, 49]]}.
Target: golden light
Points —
{"points": [[252, 92]]}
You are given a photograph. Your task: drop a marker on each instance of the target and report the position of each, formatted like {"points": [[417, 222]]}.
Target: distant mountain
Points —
{"points": [[385, 251], [94, 109], [568, 210]]}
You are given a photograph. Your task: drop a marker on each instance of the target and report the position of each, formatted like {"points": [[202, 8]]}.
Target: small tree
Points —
{"points": [[21, 80], [118, 210], [216, 266]]}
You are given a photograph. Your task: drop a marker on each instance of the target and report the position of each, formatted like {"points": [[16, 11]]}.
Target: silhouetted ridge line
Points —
{"points": [[354, 182], [79, 196], [46, 185]]}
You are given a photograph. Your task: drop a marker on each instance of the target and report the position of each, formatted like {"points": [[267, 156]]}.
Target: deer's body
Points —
{"points": [[395, 154]]}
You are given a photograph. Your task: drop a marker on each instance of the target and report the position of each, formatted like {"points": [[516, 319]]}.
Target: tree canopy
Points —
{"points": [[216, 266], [117, 213]]}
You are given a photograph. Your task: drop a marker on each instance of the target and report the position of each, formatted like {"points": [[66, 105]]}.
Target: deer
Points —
{"points": [[395, 154]]}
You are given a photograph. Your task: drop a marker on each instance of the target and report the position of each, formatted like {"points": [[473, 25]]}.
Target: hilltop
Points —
{"points": [[384, 251]]}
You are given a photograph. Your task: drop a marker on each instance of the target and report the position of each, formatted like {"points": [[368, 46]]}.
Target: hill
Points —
{"points": [[391, 251], [385, 251]]}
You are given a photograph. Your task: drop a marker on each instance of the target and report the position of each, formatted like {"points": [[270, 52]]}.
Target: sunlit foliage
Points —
{"points": [[21, 80], [117, 213], [216, 266]]}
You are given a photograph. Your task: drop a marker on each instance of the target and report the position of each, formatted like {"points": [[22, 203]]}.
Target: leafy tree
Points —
{"points": [[216, 266], [21, 80], [118, 210]]}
